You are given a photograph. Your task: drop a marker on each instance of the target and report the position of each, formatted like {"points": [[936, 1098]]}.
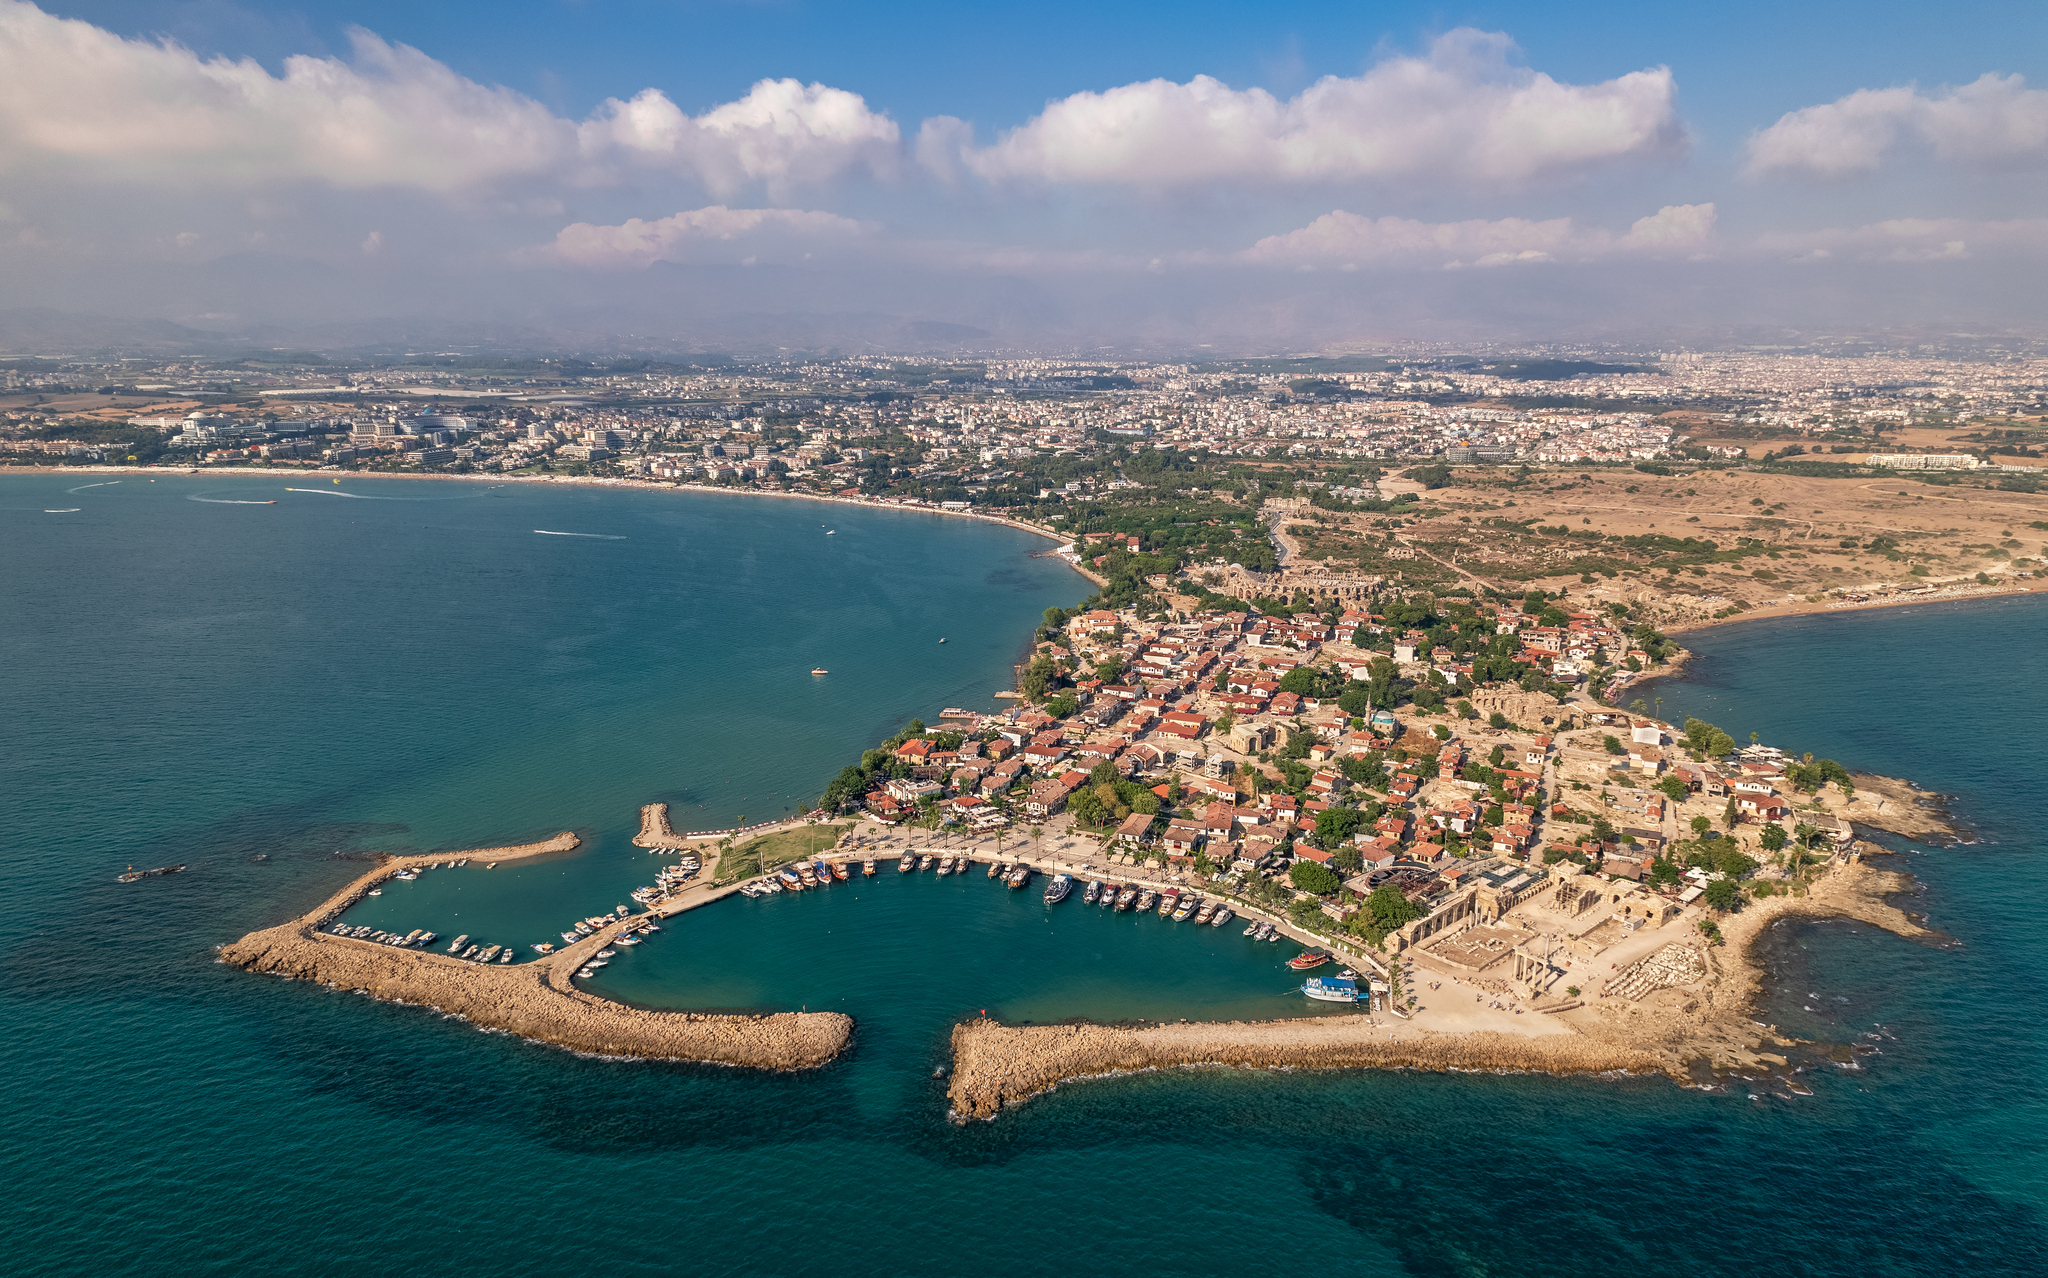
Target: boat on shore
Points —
{"points": [[1056, 891], [1334, 989]]}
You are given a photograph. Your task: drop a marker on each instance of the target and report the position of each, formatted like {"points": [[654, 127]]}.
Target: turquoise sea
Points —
{"points": [[413, 666]]}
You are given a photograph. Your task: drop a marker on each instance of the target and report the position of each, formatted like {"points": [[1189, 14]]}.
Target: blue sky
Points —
{"points": [[1336, 171]]}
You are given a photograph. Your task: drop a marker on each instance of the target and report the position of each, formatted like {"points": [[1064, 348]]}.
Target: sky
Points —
{"points": [[1197, 177]]}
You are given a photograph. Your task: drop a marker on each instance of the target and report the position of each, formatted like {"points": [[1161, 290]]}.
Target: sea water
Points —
{"points": [[416, 668]]}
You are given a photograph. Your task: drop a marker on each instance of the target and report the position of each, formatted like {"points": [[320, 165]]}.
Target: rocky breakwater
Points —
{"points": [[534, 1000], [997, 1065], [655, 831]]}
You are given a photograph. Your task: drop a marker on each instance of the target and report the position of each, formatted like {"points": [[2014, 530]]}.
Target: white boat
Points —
{"points": [[1331, 989]]}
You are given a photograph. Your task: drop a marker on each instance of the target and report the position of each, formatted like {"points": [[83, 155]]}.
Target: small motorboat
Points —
{"points": [[1093, 892], [605, 954], [544, 947], [925, 862], [1223, 915], [907, 864], [945, 865], [820, 670]]}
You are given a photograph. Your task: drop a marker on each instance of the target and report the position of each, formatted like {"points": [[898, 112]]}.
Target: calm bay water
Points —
{"points": [[416, 668]]}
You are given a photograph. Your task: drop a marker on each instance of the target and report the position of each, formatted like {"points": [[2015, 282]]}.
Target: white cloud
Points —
{"points": [[74, 96], [781, 132], [1913, 240], [1994, 120], [1461, 115], [1348, 240], [716, 233]]}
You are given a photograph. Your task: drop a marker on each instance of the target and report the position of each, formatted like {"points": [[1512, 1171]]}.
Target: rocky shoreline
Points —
{"points": [[535, 1000], [997, 1066]]}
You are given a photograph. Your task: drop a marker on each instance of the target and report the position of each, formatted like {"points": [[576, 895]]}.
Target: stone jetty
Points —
{"points": [[535, 999]]}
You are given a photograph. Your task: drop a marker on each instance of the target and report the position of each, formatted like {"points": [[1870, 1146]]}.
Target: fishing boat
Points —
{"points": [[1146, 899], [1128, 897], [506, 957], [1093, 892], [1056, 891], [1185, 908], [544, 947], [1307, 959], [376, 892], [1223, 915], [427, 938], [1019, 877], [992, 869], [907, 864], [925, 862], [1169, 901], [1205, 913], [1335, 989], [460, 941]]}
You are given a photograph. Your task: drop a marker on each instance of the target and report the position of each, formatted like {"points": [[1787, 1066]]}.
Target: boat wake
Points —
{"points": [[336, 492], [68, 510], [226, 501], [549, 532], [82, 487]]}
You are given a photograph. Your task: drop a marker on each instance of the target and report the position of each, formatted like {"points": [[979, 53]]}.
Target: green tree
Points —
{"points": [[1038, 677], [1497, 720], [1774, 838], [1700, 826], [1311, 877], [1721, 894], [1335, 825], [1613, 745], [1729, 814], [1062, 706], [1673, 789]]}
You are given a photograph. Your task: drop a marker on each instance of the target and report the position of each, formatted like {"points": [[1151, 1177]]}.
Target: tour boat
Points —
{"points": [[1056, 891], [544, 947], [821, 671], [1146, 899], [1334, 990], [807, 875], [823, 871], [1206, 912], [460, 941], [1093, 892], [427, 938], [1169, 901], [1307, 959], [1128, 897], [925, 862], [867, 866], [1019, 876], [945, 865], [906, 865], [1223, 915], [789, 878], [991, 869]]}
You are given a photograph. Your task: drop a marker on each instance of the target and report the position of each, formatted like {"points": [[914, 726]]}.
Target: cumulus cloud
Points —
{"points": [[1464, 113], [73, 95], [1994, 120], [716, 233], [1349, 241]]}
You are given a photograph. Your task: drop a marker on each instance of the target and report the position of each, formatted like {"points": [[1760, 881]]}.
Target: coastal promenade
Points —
{"points": [[535, 1000]]}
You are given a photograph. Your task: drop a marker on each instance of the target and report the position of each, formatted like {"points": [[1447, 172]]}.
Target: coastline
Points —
{"points": [[535, 1000], [996, 1066]]}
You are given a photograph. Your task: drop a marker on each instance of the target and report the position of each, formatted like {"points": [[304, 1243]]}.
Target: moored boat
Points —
{"points": [[1307, 959], [822, 870], [839, 870], [544, 947], [1169, 901], [1205, 912], [867, 866], [907, 864], [1333, 989], [1018, 877], [1128, 897], [945, 865], [1093, 892], [1056, 891], [1185, 908], [1146, 899], [460, 941], [1223, 915]]}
